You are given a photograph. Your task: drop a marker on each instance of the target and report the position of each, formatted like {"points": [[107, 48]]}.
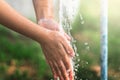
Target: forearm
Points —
{"points": [[43, 9], [18, 23]]}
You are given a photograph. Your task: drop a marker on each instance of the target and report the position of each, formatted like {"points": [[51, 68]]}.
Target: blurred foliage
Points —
{"points": [[86, 74], [18, 76], [24, 51]]}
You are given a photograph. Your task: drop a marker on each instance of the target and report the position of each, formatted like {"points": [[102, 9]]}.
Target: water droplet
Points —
{"points": [[77, 65], [82, 22], [85, 43], [78, 60], [81, 19], [75, 49], [80, 15], [75, 77], [75, 69], [77, 54], [87, 47], [86, 62]]}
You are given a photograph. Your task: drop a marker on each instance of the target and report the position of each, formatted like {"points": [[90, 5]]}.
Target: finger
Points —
{"points": [[45, 54], [67, 36], [71, 75], [63, 70], [67, 60], [50, 64], [53, 71], [68, 48], [71, 70], [67, 65], [57, 66]]}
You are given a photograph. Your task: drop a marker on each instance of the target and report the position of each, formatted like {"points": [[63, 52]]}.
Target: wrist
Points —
{"points": [[44, 33], [50, 24], [45, 3], [45, 13], [43, 9], [44, 20]]}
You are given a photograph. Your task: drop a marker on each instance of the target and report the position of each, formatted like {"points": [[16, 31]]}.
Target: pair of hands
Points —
{"points": [[57, 50]]}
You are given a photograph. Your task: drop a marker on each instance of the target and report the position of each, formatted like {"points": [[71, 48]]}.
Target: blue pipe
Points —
{"points": [[104, 39]]}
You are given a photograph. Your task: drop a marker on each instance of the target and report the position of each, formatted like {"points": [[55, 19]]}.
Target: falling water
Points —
{"points": [[81, 19], [67, 13]]}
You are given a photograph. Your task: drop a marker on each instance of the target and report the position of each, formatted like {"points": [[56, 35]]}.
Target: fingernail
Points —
{"points": [[69, 52], [68, 70], [55, 77], [72, 54]]}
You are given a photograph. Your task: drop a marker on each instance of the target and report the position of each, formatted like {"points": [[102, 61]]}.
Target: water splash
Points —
{"points": [[87, 47], [81, 19], [66, 17]]}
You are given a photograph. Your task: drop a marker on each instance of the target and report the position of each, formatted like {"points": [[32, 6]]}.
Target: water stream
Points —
{"points": [[67, 13]]}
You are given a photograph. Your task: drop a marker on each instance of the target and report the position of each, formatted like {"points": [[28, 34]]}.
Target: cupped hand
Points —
{"points": [[55, 47], [51, 24]]}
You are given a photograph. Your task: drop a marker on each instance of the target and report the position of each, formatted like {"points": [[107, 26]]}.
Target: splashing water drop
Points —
{"points": [[75, 77], [77, 55], [82, 22], [75, 49], [66, 17], [86, 62], [81, 19], [87, 47], [76, 70], [85, 43], [78, 60]]}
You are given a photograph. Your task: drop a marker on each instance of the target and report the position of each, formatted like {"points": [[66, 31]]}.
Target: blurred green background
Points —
{"points": [[22, 59]]}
